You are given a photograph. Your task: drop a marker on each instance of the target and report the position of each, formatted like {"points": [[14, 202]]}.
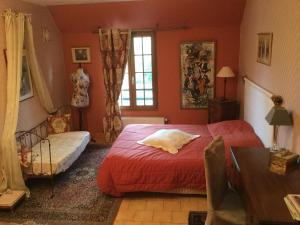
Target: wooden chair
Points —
{"points": [[223, 204]]}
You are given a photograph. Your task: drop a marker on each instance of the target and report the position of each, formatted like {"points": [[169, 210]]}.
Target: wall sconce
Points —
{"points": [[46, 34]]}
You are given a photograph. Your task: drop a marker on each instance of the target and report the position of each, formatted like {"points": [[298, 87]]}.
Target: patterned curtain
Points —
{"points": [[114, 46]]}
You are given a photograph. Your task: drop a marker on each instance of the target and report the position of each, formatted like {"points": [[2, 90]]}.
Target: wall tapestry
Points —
{"points": [[197, 73]]}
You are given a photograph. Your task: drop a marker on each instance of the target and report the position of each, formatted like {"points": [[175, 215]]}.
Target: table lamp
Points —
{"points": [[225, 72], [278, 116]]}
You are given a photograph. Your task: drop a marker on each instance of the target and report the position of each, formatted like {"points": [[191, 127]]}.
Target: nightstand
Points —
{"points": [[219, 110]]}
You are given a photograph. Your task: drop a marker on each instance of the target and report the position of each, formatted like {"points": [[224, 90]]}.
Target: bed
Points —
{"points": [[65, 149], [44, 155], [131, 167]]}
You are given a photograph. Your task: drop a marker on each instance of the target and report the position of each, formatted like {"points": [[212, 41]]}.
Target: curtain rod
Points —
{"points": [[10, 10], [151, 29]]}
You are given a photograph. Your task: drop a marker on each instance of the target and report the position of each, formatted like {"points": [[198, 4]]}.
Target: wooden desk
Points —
{"points": [[262, 190]]}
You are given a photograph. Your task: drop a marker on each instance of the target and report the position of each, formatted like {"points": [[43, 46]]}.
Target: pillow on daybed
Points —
{"points": [[170, 140], [59, 124]]}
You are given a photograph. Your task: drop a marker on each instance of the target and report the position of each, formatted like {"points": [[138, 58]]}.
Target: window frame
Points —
{"points": [[131, 74]]}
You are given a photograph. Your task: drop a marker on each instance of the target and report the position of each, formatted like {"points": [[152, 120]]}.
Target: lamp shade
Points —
{"points": [[279, 116], [225, 72]]}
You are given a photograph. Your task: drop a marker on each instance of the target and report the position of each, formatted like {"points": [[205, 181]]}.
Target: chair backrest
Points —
{"points": [[215, 173]]}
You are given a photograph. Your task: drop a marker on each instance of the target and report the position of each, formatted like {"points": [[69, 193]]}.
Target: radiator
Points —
{"points": [[143, 120]]}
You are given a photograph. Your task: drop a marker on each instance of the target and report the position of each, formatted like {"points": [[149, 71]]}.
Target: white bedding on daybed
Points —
{"points": [[65, 149]]}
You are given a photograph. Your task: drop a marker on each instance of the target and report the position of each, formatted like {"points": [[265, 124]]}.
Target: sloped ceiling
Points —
{"points": [[148, 14]]}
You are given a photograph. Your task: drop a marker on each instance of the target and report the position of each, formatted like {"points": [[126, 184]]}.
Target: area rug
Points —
{"points": [[77, 199]]}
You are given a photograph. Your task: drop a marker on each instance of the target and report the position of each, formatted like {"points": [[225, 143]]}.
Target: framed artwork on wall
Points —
{"points": [[197, 71], [264, 49], [26, 89], [81, 55]]}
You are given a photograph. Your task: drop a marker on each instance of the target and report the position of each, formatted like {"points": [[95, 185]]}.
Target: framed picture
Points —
{"points": [[197, 73], [81, 55], [264, 50], [26, 90]]}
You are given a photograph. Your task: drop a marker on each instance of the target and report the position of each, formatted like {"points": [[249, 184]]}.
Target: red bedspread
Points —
{"points": [[131, 167]]}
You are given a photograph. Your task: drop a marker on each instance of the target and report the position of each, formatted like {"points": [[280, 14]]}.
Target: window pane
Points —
{"points": [[148, 63], [138, 64], [138, 46], [125, 84], [140, 102], [148, 80], [139, 77], [125, 95], [124, 98], [140, 97], [147, 45], [125, 103], [148, 94], [139, 81], [149, 102]]}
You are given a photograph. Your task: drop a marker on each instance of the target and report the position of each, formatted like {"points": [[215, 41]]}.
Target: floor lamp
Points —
{"points": [[225, 73]]}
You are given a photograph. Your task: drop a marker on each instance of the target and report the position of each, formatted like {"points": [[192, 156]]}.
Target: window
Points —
{"points": [[138, 88]]}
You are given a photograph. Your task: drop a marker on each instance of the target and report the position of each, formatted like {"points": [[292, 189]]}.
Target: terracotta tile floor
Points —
{"points": [[158, 209]]}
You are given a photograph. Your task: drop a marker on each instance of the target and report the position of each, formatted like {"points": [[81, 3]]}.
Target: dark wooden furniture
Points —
{"points": [[219, 110], [197, 217], [262, 190]]}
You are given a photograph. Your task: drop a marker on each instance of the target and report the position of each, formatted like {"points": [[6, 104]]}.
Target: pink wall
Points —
{"points": [[282, 18], [168, 67], [94, 113]]}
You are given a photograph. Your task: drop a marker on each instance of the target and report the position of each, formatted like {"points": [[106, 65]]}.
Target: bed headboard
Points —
{"points": [[257, 104]]}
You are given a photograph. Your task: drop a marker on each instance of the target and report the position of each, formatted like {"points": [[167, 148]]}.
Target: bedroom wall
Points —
{"points": [[50, 56], [168, 62], [282, 77], [77, 22]]}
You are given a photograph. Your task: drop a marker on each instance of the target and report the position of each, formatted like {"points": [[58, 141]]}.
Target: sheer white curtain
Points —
{"points": [[17, 27], [14, 34], [37, 77]]}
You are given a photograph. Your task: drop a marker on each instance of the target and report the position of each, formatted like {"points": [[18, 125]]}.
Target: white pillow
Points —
{"points": [[170, 140]]}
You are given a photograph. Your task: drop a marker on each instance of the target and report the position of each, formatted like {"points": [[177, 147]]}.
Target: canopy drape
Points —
{"points": [[37, 76], [14, 34], [17, 28]]}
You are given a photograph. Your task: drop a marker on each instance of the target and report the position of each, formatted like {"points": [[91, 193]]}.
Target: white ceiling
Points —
{"points": [[69, 2]]}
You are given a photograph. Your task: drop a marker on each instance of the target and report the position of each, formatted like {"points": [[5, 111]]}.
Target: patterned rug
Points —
{"points": [[77, 199]]}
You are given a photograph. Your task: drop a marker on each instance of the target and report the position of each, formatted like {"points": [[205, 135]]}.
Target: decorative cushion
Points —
{"points": [[59, 124], [170, 140], [24, 156]]}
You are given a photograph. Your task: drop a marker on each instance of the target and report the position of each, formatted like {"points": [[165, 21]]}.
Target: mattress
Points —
{"points": [[65, 149], [131, 167]]}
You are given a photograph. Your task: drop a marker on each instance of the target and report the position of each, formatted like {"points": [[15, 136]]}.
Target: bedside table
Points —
{"points": [[219, 110]]}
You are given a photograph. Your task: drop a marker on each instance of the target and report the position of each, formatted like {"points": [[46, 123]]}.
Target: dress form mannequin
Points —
{"points": [[80, 97], [81, 81]]}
